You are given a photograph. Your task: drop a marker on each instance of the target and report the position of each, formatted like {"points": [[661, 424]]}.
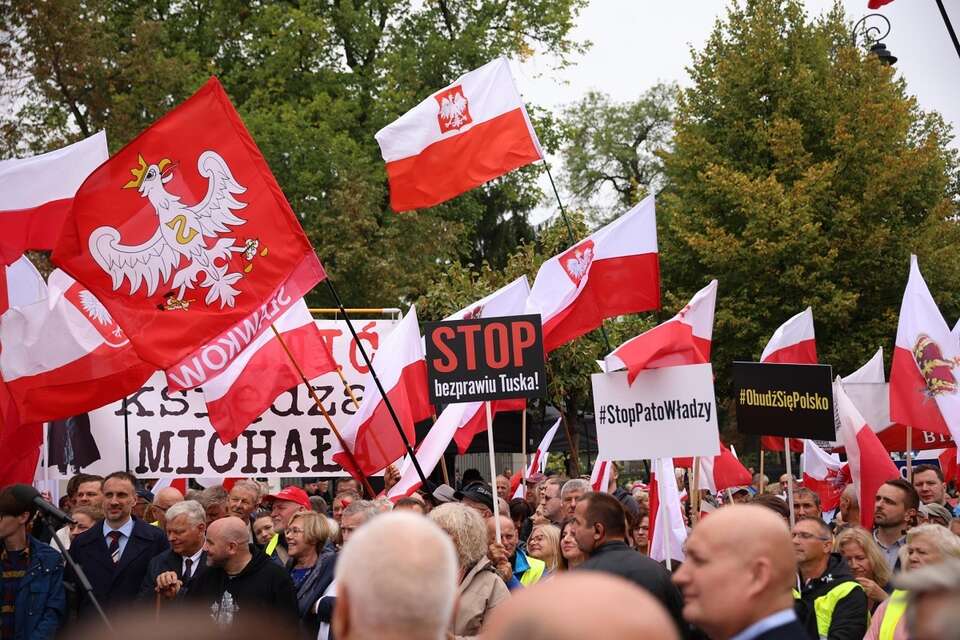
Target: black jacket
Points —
{"points": [[619, 559], [115, 584], [849, 621], [311, 589], [170, 561], [263, 585]]}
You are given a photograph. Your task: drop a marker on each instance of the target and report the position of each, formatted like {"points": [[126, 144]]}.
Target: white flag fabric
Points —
{"points": [[667, 531]]}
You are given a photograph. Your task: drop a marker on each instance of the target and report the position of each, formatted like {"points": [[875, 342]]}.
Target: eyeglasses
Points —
{"points": [[803, 535], [295, 531]]}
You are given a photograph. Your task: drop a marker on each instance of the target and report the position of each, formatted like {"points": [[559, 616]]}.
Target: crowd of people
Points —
{"points": [[563, 561]]}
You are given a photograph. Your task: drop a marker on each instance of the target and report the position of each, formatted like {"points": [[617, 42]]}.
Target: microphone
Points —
{"points": [[28, 495]]}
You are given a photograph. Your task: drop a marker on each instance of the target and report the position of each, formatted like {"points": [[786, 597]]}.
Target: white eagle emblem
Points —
{"points": [[576, 261], [454, 111], [95, 309], [182, 232]]}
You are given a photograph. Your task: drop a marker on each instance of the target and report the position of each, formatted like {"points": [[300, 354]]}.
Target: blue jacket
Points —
{"points": [[41, 601]]}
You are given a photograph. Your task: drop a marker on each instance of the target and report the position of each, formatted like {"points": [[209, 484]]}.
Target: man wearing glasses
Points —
{"points": [[830, 603]]}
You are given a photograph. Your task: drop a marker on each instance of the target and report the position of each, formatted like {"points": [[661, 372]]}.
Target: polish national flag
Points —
{"points": [[247, 387], [539, 462], [371, 434], [719, 473], [509, 300], [36, 194], [792, 343], [948, 463], [600, 476], [822, 473], [432, 447], [468, 133], [684, 339], [923, 377], [870, 464], [663, 488], [64, 355], [612, 272]]}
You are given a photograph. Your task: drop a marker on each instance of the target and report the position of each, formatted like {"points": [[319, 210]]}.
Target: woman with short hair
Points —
{"points": [[309, 568]]}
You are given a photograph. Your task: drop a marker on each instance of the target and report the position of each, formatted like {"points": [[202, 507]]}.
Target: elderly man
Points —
{"points": [[162, 500], [850, 506], [550, 510], [398, 581], [185, 561], [625, 610], [738, 576], [283, 505], [930, 597], [244, 498], [515, 567], [570, 493], [832, 603], [241, 580]]}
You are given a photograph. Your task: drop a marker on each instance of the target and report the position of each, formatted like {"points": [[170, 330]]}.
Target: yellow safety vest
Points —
{"points": [[272, 545], [534, 573], [896, 607], [824, 605]]}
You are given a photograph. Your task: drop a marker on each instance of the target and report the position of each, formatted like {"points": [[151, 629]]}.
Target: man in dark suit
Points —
{"points": [[738, 576], [115, 553], [185, 560]]}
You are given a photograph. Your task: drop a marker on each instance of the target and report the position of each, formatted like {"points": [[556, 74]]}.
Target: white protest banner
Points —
{"points": [[170, 436], [667, 412]]}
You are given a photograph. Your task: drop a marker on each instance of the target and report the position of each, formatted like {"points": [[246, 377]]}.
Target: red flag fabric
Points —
{"points": [[372, 435], [719, 473], [538, 464], [64, 355], [822, 474], [870, 464], [876, 4], [36, 193], [684, 339], [462, 136], [924, 391], [793, 342], [663, 488], [612, 272], [600, 478], [187, 227], [948, 464], [432, 448], [262, 371]]}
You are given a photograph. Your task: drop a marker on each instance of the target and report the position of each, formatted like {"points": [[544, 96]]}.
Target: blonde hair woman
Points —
{"points": [[544, 544], [866, 562], [310, 569]]}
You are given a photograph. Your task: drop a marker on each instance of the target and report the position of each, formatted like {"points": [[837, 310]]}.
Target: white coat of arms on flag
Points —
{"points": [[454, 111], [576, 261]]}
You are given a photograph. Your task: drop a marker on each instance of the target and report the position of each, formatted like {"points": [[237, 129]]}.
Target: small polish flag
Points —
{"points": [[923, 377], [684, 339], [719, 473], [792, 343], [870, 464], [663, 488], [612, 272], [36, 194], [600, 476], [822, 474], [539, 461], [432, 447], [372, 434], [464, 135]]}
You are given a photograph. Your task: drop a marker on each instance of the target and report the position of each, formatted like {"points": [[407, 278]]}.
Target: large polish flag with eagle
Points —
{"points": [[794, 342], [185, 237], [37, 192], [466, 134], [64, 355], [924, 390], [684, 339], [614, 271]]}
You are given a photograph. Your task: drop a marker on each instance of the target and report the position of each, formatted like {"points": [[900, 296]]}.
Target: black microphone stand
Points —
{"points": [[77, 570]]}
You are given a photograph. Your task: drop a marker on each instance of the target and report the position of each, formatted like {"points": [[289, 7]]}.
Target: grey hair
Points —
{"points": [[467, 530], [190, 508], [368, 508], [249, 485], [575, 484], [946, 542], [935, 578], [213, 495]]}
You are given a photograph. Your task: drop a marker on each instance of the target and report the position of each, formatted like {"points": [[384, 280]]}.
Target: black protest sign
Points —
{"points": [[485, 359], [786, 400]]}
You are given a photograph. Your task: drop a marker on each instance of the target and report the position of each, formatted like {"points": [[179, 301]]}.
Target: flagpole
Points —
{"points": [[443, 461], [946, 22], [493, 471], [126, 435], [762, 483], [523, 448], [909, 452], [662, 523], [786, 453], [695, 492], [323, 410], [376, 380]]}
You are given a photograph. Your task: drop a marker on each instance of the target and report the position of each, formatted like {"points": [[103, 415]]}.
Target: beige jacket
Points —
{"points": [[480, 591]]}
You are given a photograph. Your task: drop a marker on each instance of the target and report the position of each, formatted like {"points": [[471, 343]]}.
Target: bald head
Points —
{"points": [[226, 544], [229, 529], [626, 611], [740, 568], [167, 497]]}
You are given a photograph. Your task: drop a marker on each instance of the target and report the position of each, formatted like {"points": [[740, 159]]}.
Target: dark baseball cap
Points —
{"points": [[478, 492]]}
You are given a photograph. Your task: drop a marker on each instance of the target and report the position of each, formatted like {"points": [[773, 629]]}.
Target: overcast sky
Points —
{"points": [[637, 43]]}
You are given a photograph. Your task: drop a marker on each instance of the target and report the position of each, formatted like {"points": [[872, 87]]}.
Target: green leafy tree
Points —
{"points": [[802, 173]]}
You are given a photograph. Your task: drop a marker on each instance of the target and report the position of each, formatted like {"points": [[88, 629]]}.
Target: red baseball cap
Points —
{"points": [[290, 494]]}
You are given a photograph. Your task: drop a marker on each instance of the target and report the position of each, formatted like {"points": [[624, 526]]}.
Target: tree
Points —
{"points": [[313, 81], [611, 150], [802, 174]]}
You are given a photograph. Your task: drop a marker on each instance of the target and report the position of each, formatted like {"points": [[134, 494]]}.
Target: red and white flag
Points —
{"points": [[614, 271], [432, 447], [923, 377], [822, 473], [667, 532], [508, 300], [371, 434], [36, 193], [870, 464], [261, 372], [793, 342], [719, 473], [466, 134], [539, 462], [64, 355], [186, 238], [684, 339], [600, 476]]}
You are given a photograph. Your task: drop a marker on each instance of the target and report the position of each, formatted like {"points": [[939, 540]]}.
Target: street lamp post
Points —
{"points": [[870, 30]]}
